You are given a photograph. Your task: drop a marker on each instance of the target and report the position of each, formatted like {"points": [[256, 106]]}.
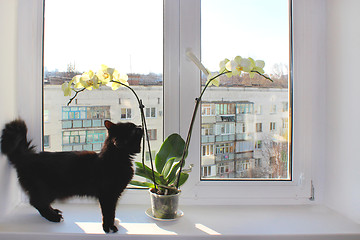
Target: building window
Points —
{"points": [[95, 136], [224, 148], [206, 171], [258, 144], [242, 127], [242, 165], [46, 116], [225, 128], [273, 108], [207, 150], [71, 113], [225, 108], [207, 109], [245, 108], [74, 137], [207, 129], [285, 123], [102, 112], [223, 168], [90, 140], [272, 126], [258, 127], [150, 112], [258, 109], [285, 106], [244, 146], [125, 113], [46, 141], [152, 134], [84, 117]]}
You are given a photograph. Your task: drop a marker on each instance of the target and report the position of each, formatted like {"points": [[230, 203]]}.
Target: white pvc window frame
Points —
{"points": [[181, 87]]}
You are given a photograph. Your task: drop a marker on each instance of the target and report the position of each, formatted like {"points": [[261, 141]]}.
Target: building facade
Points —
{"points": [[244, 130]]}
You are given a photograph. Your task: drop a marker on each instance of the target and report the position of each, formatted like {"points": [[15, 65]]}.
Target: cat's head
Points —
{"points": [[125, 136]]}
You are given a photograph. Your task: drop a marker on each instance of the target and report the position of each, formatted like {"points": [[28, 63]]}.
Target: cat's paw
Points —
{"points": [[58, 211], [53, 216], [107, 228]]}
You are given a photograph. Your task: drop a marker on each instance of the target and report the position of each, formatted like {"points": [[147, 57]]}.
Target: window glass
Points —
{"points": [[243, 111], [81, 35]]}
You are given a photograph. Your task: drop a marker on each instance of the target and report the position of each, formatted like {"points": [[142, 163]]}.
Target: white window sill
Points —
{"points": [[83, 221]]}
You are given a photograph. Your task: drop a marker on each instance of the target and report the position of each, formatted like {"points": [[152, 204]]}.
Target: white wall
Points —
{"points": [[9, 192], [339, 129], [342, 166]]}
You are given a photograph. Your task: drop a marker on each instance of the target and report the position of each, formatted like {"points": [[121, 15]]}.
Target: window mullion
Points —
{"points": [[190, 82], [171, 66]]}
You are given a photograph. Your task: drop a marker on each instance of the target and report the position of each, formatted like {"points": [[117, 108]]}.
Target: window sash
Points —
{"points": [[179, 75]]}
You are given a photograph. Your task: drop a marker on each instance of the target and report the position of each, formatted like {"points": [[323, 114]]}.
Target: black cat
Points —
{"points": [[47, 176]]}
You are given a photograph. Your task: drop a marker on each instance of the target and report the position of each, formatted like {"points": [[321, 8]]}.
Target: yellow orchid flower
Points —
{"points": [[76, 81], [119, 77], [89, 80], [215, 81], [257, 66], [224, 67], [105, 74], [239, 65], [66, 89]]}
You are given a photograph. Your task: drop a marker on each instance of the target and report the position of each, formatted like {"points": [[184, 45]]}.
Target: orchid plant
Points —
{"points": [[169, 174]]}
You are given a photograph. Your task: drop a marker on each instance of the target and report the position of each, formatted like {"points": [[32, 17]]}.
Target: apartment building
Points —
{"points": [[244, 130]]}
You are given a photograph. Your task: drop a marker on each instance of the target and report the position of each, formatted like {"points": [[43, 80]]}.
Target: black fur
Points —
{"points": [[47, 176]]}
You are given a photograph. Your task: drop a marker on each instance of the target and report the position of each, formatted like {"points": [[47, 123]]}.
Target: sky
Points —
{"points": [[127, 34]]}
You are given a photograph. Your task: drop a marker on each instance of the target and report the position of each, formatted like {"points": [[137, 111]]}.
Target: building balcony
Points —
{"points": [[225, 118], [245, 155], [224, 157], [207, 138], [225, 138], [244, 136], [83, 123]]}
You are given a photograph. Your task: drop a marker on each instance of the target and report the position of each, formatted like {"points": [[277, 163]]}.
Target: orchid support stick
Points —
{"points": [[188, 138]]}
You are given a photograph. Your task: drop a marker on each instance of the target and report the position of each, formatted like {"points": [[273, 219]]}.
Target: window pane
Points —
{"points": [[80, 35], [251, 115]]}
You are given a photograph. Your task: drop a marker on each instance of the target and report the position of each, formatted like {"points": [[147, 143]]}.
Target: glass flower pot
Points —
{"points": [[164, 206]]}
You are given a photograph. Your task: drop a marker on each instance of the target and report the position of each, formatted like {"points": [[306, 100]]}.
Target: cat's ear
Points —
{"points": [[108, 124]]}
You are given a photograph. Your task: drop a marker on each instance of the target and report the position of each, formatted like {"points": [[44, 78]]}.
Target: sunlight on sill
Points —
{"points": [[206, 229], [128, 228], [137, 228]]}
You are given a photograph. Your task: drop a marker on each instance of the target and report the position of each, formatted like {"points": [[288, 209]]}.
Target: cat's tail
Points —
{"points": [[13, 139]]}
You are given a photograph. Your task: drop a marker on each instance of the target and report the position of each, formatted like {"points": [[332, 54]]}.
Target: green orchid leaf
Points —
{"points": [[141, 173], [146, 172], [142, 184], [171, 177], [183, 178], [167, 167], [172, 147]]}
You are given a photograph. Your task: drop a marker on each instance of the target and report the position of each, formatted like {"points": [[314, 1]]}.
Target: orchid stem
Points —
{"points": [[76, 93], [198, 100], [143, 123]]}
